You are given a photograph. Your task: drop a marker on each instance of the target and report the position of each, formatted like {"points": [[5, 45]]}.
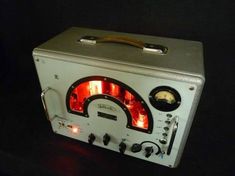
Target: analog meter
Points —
{"points": [[165, 98]]}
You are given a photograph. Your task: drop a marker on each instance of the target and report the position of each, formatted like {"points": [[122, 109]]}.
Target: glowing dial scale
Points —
{"points": [[82, 91]]}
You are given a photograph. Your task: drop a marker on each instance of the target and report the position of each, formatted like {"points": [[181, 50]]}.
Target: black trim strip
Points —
{"points": [[175, 127], [106, 116]]}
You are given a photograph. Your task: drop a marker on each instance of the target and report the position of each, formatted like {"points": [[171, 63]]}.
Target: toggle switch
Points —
{"points": [[106, 139], [122, 147], [91, 138]]}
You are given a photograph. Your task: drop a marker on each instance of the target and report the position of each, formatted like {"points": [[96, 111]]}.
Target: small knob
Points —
{"points": [[122, 147], [166, 128], [168, 122], [164, 134], [148, 151], [91, 138], [136, 148], [106, 139], [163, 141]]}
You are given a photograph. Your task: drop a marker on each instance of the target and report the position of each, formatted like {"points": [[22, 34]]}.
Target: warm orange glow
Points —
{"points": [[129, 100], [95, 87], [141, 121], [84, 90], [128, 96], [75, 130], [79, 94], [114, 90]]}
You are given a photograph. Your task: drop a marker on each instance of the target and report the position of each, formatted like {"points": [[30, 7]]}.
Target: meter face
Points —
{"points": [[165, 98]]}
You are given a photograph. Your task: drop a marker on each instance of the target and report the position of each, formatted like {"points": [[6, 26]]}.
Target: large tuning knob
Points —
{"points": [[148, 151]]}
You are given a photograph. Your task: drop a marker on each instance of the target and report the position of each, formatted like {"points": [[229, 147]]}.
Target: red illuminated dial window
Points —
{"points": [[82, 90]]}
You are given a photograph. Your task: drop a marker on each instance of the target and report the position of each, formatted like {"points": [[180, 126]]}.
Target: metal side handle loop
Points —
{"points": [[158, 49], [44, 102]]}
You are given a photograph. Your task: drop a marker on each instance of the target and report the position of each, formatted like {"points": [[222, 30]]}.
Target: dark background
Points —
{"points": [[27, 144]]}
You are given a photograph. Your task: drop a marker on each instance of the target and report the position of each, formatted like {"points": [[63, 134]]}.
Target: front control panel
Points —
{"points": [[108, 113], [152, 149], [135, 115]]}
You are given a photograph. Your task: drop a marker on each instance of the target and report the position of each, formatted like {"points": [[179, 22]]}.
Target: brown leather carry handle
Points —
{"points": [[122, 39], [159, 49]]}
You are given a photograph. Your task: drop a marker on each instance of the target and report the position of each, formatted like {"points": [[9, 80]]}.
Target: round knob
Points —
{"points": [[136, 148], [106, 139]]}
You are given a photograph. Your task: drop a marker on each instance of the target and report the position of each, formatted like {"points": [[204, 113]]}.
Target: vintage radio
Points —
{"points": [[129, 93]]}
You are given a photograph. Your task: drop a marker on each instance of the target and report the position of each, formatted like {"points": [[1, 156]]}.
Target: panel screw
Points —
{"points": [[56, 76], [191, 88]]}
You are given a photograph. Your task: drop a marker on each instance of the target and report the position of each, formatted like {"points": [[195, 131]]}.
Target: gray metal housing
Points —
{"points": [[67, 58]]}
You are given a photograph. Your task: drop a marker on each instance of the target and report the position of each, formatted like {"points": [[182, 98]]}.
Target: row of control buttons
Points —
{"points": [[106, 140], [166, 129]]}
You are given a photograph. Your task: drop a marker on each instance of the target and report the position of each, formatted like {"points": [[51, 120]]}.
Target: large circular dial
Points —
{"points": [[165, 98]]}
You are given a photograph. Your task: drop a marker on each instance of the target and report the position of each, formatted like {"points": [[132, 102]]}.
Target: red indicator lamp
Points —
{"points": [[75, 129]]}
